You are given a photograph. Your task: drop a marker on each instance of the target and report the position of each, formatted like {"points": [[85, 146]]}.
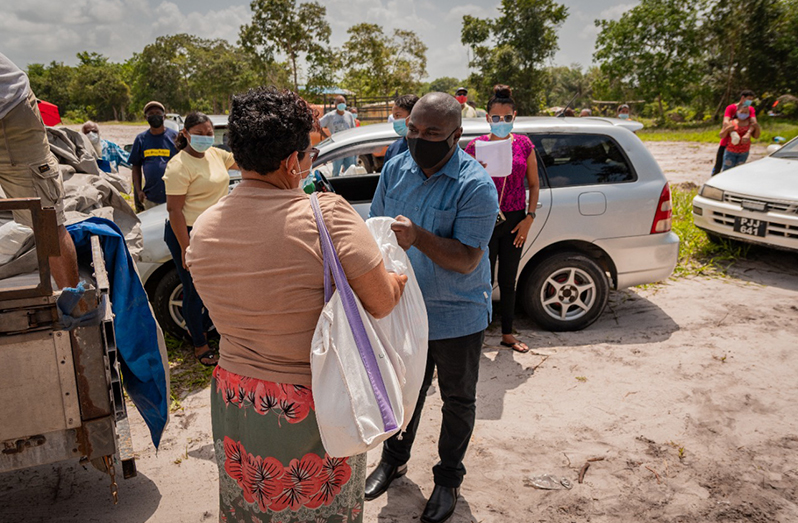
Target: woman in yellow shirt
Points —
{"points": [[195, 179]]}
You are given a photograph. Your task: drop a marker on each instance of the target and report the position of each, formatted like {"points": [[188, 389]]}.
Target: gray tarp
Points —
{"points": [[88, 191]]}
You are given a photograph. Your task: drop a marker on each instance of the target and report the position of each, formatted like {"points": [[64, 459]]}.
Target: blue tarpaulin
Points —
{"points": [[143, 371]]}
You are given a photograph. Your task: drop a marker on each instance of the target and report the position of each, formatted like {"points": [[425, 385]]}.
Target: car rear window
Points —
{"points": [[582, 159]]}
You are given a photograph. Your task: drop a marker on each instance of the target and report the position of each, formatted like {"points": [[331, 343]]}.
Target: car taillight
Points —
{"points": [[662, 218]]}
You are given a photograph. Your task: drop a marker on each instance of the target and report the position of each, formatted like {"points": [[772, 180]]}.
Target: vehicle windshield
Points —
{"points": [[788, 151]]}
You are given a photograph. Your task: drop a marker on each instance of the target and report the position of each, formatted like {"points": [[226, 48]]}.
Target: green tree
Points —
{"points": [[445, 84], [51, 83], [180, 70], [654, 50], [566, 83], [512, 48], [99, 87], [379, 65], [282, 26]]}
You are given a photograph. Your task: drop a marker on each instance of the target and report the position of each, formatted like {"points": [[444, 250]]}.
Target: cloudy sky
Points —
{"points": [[45, 30]]}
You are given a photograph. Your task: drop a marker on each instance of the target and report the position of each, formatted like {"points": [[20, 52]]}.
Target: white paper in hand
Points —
{"points": [[497, 155]]}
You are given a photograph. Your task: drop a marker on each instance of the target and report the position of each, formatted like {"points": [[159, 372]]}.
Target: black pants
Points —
{"points": [[457, 360], [719, 160], [509, 256]]}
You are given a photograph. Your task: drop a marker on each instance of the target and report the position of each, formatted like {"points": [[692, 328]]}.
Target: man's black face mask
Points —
{"points": [[426, 153], [155, 120]]}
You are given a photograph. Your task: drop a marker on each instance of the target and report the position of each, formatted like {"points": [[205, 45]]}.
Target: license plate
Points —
{"points": [[750, 226]]}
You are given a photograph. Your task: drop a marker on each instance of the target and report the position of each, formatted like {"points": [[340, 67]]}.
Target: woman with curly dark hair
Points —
{"points": [[256, 260], [195, 178]]}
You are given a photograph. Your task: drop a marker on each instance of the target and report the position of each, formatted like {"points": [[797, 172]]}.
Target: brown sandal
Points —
{"points": [[517, 346]]}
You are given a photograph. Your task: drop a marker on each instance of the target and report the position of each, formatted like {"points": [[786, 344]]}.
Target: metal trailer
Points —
{"points": [[61, 392]]}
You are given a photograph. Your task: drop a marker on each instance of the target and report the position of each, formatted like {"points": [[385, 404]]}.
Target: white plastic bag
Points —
{"points": [[358, 408], [406, 329], [13, 239]]}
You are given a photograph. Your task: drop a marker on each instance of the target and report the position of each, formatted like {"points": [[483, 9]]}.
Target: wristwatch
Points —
{"points": [[533, 215]]}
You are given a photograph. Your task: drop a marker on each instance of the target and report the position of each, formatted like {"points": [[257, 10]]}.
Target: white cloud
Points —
{"points": [[456, 15], [615, 12]]}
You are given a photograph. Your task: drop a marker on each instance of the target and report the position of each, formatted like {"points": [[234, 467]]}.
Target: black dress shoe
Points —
{"points": [[380, 479], [441, 504]]}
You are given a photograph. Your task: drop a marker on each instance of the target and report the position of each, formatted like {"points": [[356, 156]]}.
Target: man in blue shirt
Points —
{"points": [[445, 206], [151, 151], [400, 111]]}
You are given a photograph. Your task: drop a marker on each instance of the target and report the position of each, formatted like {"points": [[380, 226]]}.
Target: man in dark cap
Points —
{"points": [[461, 95], [151, 151], [445, 206]]}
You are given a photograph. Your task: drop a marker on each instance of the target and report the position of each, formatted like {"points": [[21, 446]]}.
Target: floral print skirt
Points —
{"points": [[272, 465]]}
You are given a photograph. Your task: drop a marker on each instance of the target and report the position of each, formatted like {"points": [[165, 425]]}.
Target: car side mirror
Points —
{"points": [[772, 148]]}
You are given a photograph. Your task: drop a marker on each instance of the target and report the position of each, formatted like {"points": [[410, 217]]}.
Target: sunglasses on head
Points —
{"points": [[495, 118]]}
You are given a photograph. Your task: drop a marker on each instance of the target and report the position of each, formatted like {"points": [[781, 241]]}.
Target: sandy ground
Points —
{"points": [[685, 391]]}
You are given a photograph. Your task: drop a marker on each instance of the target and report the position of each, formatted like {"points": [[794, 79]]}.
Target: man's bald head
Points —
{"points": [[441, 107], [89, 127]]}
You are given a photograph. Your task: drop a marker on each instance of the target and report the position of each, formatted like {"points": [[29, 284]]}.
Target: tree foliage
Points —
{"points": [[182, 70], [702, 54], [653, 49], [99, 86], [379, 65], [512, 48], [296, 31]]}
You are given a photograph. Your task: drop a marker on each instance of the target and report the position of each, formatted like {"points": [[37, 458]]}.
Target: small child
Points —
{"points": [[740, 129]]}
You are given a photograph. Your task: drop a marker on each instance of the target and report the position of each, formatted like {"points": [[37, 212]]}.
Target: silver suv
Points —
{"points": [[603, 219]]}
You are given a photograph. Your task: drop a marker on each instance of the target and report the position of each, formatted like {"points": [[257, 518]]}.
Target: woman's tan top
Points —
{"points": [[256, 262]]}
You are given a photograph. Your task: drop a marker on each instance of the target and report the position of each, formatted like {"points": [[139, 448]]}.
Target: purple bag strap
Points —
{"points": [[332, 265]]}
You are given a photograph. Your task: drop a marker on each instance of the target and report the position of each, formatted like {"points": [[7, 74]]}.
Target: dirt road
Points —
{"points": [[685, 391]]}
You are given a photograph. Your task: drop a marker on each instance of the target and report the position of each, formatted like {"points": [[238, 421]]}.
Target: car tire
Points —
{"points": [[365, 161], [565, 292], [167, 305]]}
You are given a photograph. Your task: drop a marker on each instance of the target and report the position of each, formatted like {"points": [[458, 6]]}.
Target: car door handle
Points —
{"points": [[540, 205]]}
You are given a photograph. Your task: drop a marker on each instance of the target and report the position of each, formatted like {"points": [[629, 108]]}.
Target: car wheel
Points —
{"points": [[167, 304], [566, 292], [365, 161]]}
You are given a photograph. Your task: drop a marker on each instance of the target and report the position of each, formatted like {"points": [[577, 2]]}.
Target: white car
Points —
{"points": [[603, 217], [755, 202]]}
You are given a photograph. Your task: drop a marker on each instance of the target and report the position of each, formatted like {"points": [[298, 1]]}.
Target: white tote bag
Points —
{"points": [[360, 365]]}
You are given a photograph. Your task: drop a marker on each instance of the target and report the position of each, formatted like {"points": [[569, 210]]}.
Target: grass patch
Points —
{"points": [[187, 374], [709, 133], [698, 256]]}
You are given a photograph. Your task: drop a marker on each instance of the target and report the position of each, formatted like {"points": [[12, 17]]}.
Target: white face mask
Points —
{"points": [[94, 136]]}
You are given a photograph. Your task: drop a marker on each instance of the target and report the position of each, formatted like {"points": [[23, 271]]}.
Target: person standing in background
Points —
{"points": [[400, 111], [27, 167], [739, 132], [195, 179], [511, 232], [336, 121], [461, 95], [624, 113], [746, 100], [151, 151]]}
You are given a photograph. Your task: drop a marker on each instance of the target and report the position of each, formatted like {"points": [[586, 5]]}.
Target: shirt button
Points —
{"points": [[416, 208]]}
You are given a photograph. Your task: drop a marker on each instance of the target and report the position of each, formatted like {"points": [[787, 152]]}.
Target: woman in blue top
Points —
{"points": [[400, 111]]}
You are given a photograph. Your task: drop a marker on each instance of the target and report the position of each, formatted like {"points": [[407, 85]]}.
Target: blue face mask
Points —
{"points": [[742, 116], [400, 126], [201, 143], [747, 103], [623, 116], [341, 107], [501, 129]]}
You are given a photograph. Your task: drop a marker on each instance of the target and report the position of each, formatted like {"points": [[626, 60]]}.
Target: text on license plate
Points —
{"points": [[750, 226]]}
